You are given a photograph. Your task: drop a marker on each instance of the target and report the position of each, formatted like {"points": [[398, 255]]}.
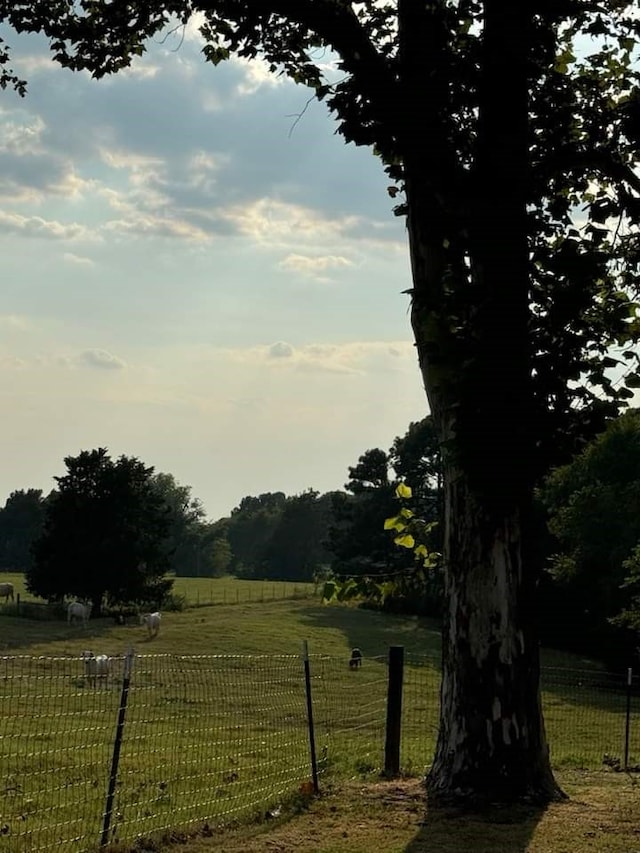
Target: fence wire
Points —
{"points": [[209, 739]]}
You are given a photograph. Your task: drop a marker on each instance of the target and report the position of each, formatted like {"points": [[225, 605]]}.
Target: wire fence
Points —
{"points": [[208, 739]]}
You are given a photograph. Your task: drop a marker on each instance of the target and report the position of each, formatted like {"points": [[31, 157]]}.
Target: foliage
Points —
{"points": [[296, 549], [21, 521], [105, 534], [356, 536], [278, 537], [594, 515], [418, 581], [367, 564], [197, 548]]}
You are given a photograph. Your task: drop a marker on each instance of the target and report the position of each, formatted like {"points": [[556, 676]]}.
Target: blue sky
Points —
{"points": [[193, 275]]}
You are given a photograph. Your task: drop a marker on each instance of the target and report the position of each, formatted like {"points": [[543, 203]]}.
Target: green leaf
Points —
{"points": [[406, 540]]}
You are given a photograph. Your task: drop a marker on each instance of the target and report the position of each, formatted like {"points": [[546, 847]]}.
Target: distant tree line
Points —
{"points": [[114, 531]]}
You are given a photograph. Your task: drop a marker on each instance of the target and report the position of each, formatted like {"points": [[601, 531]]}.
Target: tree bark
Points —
{"points": [[491, 743], [470, 315]]}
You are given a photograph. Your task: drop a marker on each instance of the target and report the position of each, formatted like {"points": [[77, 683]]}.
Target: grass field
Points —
{"points": [[203, 591], [215, 725]]}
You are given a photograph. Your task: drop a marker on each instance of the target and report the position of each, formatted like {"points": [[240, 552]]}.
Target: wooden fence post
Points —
{"points": [[394, 711]]}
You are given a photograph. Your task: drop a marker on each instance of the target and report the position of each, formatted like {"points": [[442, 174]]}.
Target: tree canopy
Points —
{"points": [[510, 132], [21, 521], [594, 516], [105, 534]]}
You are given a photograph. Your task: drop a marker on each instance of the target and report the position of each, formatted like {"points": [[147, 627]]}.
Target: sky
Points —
{"points": [[196, 271]]}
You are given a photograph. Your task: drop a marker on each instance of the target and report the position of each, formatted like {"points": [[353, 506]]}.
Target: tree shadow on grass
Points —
{"points": [[374, 631], [497, 829]]}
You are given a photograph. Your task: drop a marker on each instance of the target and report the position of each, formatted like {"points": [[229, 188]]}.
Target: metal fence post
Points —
{"points": [[627, 725], [312, 736], [394, 711], [115, 759]]}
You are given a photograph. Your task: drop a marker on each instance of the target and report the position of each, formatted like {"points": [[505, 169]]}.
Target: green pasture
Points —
{"points": [[204, 591], [216, 720]]}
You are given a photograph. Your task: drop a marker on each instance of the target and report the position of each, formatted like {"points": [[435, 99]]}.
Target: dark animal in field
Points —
{"points": [[355, 661]]}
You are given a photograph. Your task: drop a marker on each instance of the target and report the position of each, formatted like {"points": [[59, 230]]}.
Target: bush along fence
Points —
{"points": [[161, 742]]}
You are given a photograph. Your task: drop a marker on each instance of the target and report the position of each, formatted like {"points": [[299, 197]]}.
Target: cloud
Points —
{"points": [[268, 220], [313, 267], [14, 322], [256, 74], [36, 226], [77, 260], [11, 362], [281, 350], [101, 359], [349, 358]]}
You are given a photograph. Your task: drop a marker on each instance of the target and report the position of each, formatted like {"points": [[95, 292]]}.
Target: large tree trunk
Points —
{"points": [[470, 314], [491, 744]]}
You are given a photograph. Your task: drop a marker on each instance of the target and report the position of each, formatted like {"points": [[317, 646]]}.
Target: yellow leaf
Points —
{"points": [[403, 491], [406, 540]]}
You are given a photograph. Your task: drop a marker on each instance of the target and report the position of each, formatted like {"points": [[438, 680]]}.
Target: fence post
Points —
{"points": [[115, 759], [394, 711], [627, 725], [312, 735]]}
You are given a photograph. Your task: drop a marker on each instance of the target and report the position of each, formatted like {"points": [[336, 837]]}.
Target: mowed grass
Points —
{"points": [[216, 727], [203, 591], [395, 816]]}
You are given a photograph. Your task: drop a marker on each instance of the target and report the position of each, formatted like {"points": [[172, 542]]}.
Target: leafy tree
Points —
{"points": [[105, 534], [296, 549], [498, 124], [21, 521], [362, 549], [216, 542], [250, 529], [594, 516], [186, 528], [356, 537]]}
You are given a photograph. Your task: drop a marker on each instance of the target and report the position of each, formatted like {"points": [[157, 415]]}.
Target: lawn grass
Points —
{"points": [[601, 816], [213, 737]]}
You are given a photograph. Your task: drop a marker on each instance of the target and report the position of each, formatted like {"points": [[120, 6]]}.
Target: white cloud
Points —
{"points": [[256, 74], [348, 358], [314, 267], [102, 359], [78, 260], [267, 220], [36, 226], [15, 322]]}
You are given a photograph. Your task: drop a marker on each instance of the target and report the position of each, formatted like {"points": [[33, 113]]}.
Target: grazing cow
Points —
{"points": [[152, 621], [6, 591], [355, 661], [77, 611], [96, 666]]}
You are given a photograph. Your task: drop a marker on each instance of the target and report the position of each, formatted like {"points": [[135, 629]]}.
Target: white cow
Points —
{"points": [[96, 666], [152, 621], [6, 591], [77, 611]]}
